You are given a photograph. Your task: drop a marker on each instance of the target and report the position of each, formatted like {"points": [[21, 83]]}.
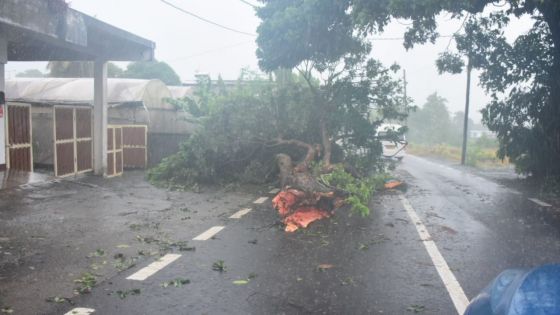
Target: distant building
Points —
{"points": [[479, 133]]}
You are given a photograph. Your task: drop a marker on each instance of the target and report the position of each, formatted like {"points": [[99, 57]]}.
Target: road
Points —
{"points": [[425, 251]]}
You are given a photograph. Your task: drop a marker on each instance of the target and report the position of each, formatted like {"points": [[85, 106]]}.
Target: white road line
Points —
{"points": [[240, 213], [81, 311], [261, 200], [453, 286], [154, 267], [209, 233], [540, 202], [274, 191]]}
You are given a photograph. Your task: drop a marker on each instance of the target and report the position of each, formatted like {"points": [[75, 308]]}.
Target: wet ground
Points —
{"points": [[114, 229]]}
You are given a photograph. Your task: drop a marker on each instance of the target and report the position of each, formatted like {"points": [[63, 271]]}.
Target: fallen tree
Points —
{"points": [[312, 121]]}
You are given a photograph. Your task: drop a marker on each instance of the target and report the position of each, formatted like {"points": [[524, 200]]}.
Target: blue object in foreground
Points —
{"points": [[520, 292]]}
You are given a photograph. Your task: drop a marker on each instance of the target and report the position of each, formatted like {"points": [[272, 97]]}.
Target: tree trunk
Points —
{"points": [[327, 146]]}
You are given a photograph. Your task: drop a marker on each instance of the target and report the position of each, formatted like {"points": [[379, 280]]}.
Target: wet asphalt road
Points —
{"points": [[376, 265]]}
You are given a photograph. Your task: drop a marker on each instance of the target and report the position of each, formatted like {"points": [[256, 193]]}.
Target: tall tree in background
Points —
{"points": [[70, 69], [430, 124], [79, 69], [152, 70], [30, 73]]}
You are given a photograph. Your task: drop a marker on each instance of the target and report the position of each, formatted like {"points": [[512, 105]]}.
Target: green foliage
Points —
{"points": [[360, 190], [152, 70], [219, 266], [79, 69], [431, 123], [70, 69], [236, 139], [450, 63], [317, 30], [30, 73], [86, 283]]}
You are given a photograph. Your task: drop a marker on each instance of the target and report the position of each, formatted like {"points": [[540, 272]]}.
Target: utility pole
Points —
{"points": [[466, 122], [404, 90]]}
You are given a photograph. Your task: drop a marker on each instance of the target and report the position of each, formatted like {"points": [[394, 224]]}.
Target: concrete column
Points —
{"points": [[100, 117], [3, 120]]}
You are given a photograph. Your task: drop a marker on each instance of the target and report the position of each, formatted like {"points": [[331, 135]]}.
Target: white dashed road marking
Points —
{"points": [[453, 286], [209, 233], [539, 202], [81, 311], [260, 200], [274, 191], [154, 267], [240, 213]]}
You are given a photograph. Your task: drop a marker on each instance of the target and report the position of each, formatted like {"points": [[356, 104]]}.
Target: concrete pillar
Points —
{"points": [[3, 120], [100, 117]]}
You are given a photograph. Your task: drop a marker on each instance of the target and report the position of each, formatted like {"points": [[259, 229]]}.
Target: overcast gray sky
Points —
{"points": [[192, 46]]}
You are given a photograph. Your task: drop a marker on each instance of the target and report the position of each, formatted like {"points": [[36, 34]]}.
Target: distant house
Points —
{"points": [[129, 102], [479, 133]]}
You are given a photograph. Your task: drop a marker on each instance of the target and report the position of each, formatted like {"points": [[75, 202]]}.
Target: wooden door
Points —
{"points": [[135, 146], [73, 141], [20, 150], [114, 151], [64, 141]]}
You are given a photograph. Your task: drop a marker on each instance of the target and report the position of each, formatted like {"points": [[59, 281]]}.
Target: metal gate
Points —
{"points": [[135, 146], [114, 151], [20, 150], [73, 142]]}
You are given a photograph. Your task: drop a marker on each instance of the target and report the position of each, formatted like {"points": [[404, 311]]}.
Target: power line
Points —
{"points": [[206, 20], [249, 4]]}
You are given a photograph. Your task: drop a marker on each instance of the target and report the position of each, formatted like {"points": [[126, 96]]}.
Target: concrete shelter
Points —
{"points": [[129, 102], [37, 30]]}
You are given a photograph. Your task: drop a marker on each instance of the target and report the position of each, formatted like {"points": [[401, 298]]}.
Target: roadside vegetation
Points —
{"points": [[477, 154], [434, 132]]}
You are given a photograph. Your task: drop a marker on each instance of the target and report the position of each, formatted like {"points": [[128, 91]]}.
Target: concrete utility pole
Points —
{"points": [[404, 83], [466, 122], [100, 117]]}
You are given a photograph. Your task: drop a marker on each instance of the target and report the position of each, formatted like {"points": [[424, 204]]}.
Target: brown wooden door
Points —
{"points": [[135, 153], [73, 140], [20, 150], [64, 141], [114, 151], [84, 140]]}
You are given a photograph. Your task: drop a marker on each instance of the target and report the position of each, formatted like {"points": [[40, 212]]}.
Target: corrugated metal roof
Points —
{"points": [[152, 93]]}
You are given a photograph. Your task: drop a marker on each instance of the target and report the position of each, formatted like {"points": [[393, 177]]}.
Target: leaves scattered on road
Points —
{"points": [[323, 267], [98, 253], [87, 281], [415, 308], [250, 277], [178, 282], [122, 263], [59, 300], [219, 266], [122, 294]]}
